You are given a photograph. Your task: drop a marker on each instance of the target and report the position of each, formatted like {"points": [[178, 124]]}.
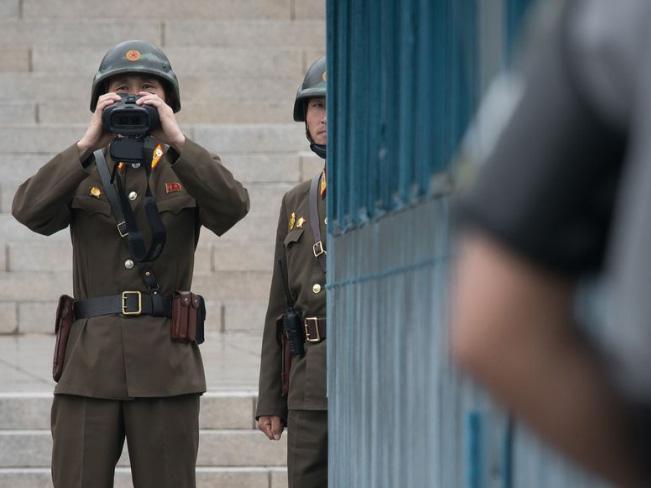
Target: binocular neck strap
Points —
{"points": [[123, 213]]}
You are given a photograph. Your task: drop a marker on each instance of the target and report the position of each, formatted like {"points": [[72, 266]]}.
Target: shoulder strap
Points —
{"points": [[315, 224], [110, 192], [123, 214], [126, 223]]}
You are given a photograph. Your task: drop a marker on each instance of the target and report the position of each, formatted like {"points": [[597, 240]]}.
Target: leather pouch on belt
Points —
{"points": [[188, 315], [65, 316]]}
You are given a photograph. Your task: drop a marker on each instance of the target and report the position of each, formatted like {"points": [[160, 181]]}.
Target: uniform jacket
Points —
{"points": [[307, 383], [117, 357]]}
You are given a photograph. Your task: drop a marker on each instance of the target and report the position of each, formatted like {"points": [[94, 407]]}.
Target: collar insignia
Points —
{"points": [[95, 191]]}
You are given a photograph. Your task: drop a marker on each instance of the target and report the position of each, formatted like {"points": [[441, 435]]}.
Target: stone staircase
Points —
{"points": [[239, 63], [231, 454]]}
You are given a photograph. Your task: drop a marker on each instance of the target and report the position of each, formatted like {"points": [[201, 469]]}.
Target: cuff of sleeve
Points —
{"points": [[72, 156], [279, 410], [191, 151]]}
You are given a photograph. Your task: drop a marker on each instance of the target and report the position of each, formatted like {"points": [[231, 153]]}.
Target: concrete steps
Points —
{"points": [[224, 138], [233, 271], [169, 9], [238, 63], [239, 33], [246, 477], [218, 448], [231, 452]]}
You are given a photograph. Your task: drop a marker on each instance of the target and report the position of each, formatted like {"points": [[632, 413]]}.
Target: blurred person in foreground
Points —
{"points": [[563, 194]]}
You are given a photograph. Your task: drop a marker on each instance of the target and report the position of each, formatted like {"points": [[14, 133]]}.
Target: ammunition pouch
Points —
{"points": [[188, 317]]}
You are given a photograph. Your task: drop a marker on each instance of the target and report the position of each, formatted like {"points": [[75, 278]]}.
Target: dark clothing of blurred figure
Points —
{"points": [[565, 188]]}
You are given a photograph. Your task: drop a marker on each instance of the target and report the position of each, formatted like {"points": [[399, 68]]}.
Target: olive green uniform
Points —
{"points": [[124, 375], [305, 407]]}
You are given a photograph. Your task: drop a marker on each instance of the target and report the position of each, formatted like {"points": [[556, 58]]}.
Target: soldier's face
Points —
{"points": [[316, 120], [134, 84]]}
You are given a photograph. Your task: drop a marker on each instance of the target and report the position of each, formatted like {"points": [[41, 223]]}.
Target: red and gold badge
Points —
{"points": [[173, 187], [132, 55]]}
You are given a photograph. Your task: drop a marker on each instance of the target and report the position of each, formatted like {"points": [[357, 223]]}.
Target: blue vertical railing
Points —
{"points": [[403, 85]]}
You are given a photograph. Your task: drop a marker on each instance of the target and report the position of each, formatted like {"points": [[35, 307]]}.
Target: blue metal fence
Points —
{"points": [[404, 79], [411, 61]]}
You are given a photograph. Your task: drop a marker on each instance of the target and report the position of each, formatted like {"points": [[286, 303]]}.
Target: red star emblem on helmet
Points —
{"points": [[132, 55]]}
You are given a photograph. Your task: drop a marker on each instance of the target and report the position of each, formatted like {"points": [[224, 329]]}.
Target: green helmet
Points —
{"points": [[314, 85], [136, 57]]}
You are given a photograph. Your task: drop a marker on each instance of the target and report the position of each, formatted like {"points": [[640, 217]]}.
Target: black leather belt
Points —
{"points": [[315, 329], [127, 303]]}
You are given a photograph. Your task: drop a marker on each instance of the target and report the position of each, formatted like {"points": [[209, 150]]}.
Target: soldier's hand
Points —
{"points": [[272, 426], [95, 136], [170, 133]]}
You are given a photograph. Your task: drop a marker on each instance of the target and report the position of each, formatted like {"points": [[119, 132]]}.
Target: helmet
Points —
{"points": [[314, 85], [136, 57]]}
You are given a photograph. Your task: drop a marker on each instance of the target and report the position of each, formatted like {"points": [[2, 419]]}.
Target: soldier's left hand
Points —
{"points": [[170, 133]]}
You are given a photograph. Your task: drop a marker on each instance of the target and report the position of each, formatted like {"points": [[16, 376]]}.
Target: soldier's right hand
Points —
{"points": [[272, 426], [95, 136]]}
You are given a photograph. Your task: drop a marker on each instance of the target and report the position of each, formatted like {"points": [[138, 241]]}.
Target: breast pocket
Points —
{"points": [[292, 237], [91, 206], [181, 221], [91, 217], [297, 257], [176, 205]]}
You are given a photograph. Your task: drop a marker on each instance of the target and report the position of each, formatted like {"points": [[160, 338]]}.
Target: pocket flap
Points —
{"points": [[293, 236], [91, 205], [176, 204]]}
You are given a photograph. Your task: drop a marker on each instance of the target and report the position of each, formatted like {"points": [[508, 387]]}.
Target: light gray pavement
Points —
{"points": [[231, 362]]}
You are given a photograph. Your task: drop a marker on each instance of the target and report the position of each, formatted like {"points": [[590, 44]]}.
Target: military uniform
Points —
{"points": [[306, 401], [304, 409], [124, 375]]}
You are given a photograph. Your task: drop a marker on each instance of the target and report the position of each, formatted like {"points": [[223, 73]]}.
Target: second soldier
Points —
{"points": [[292, 390]]}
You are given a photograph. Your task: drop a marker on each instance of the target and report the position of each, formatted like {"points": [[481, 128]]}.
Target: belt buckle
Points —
{"points": [[122, 229], [308, 336], [317, 249], [125, 297]]}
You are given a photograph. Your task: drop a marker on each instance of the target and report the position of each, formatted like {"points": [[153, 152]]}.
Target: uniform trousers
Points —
{"points": [[307, 448], [88, 435]]}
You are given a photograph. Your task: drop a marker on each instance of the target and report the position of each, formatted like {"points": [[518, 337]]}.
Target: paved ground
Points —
{"points": [[231, 362]]}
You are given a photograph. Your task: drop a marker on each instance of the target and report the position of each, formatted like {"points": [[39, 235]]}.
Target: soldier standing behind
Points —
{"points": [[130, 371], [292, 390]]}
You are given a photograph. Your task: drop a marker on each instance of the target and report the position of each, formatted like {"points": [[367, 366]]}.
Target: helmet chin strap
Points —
{"points": [[319, 149]]}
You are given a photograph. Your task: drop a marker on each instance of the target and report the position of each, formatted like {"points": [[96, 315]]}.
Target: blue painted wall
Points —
{"points": [[404, 80]]}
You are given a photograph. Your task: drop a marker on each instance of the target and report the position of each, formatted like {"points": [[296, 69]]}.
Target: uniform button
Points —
{"points": [[316, 288], [133, 195], [325, 221], [128, 264]]}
